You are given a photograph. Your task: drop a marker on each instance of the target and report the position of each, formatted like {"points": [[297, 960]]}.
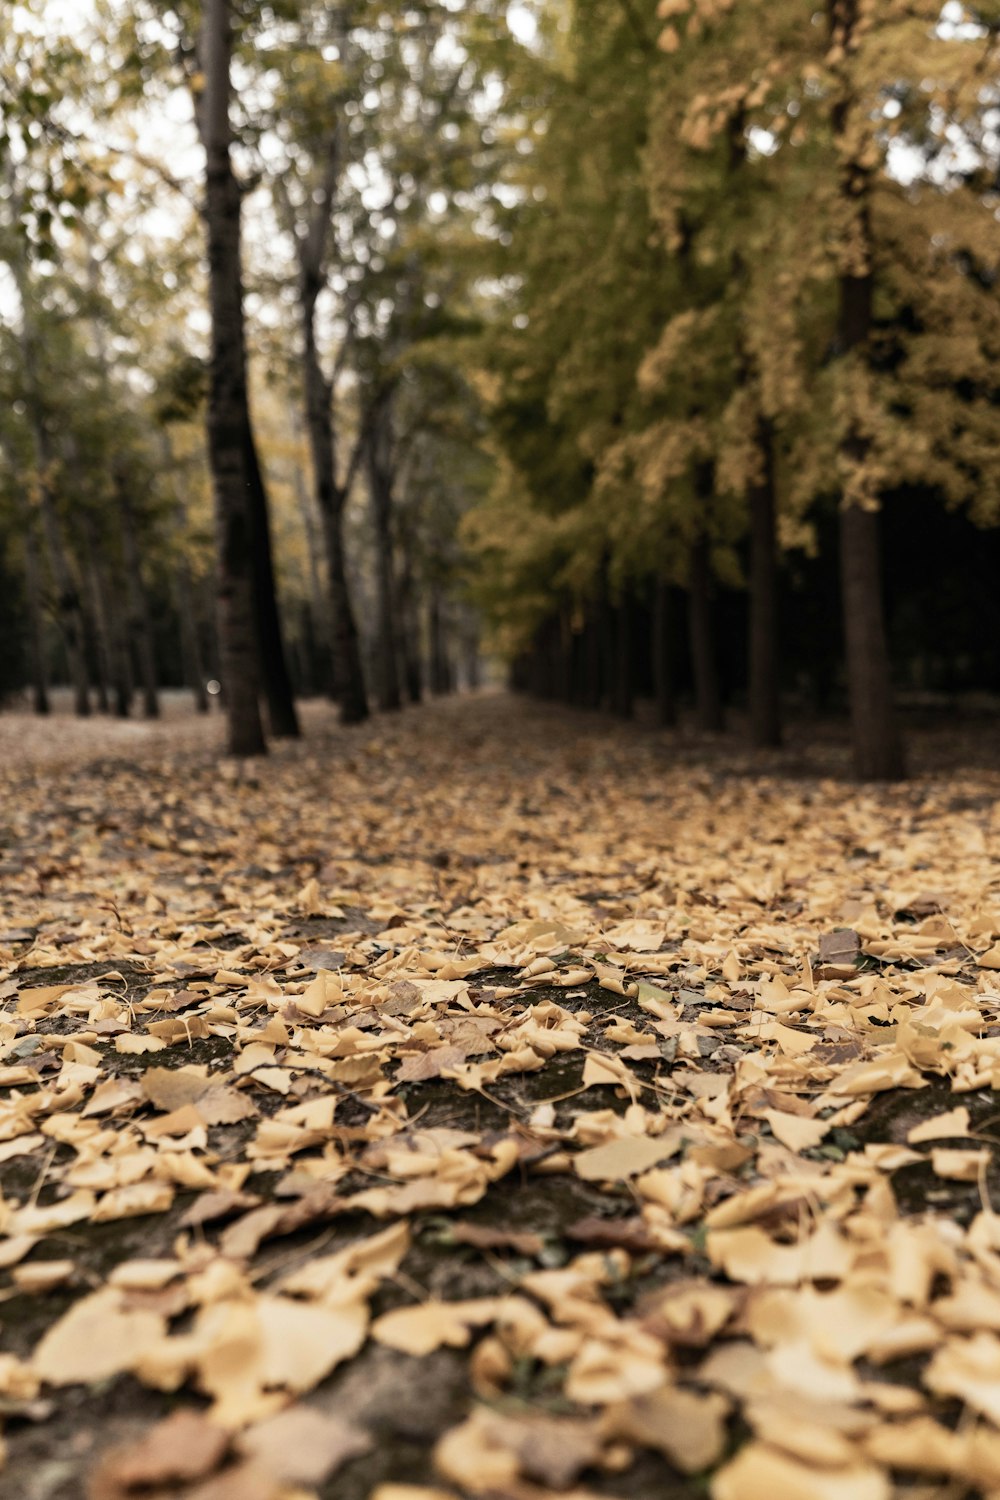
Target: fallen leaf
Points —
{"points": [[302, 1446]]}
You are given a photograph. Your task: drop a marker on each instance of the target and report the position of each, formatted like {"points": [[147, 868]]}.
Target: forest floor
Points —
{"points": [[496, 1101]]}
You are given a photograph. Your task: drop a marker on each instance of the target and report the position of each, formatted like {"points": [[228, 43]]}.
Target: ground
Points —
{"points": [[494, 1101]]}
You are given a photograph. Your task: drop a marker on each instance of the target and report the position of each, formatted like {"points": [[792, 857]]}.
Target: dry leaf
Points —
{"points": [[302, 1445], [182, 1447]]}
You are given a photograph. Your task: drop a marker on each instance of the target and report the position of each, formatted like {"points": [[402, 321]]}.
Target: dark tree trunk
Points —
{"points": [[622, 691], [281, 716], [348, 676], [440, 665], [36, 630], [878, 751], [662, 654], [68, 603], [69, 606], [348, 681], [379, 467], [140, 614], [765, 713], [122, 678], [592, 661], [319, 599], [708, 699], [878, 754], [605, 623], [409, 619], [101, 598], [194, 666], [227, 400]]}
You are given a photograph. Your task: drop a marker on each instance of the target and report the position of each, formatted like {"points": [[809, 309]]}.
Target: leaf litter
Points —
{"points": [[658, 1096]]}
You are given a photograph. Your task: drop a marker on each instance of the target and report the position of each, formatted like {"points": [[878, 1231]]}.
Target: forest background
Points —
{"points": [[649, 349]]}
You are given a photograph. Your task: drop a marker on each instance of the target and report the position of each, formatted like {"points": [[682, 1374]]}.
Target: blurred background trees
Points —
{"points": [[646, 351]]}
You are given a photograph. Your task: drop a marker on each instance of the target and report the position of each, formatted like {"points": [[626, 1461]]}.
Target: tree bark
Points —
{"points": [[441, 682], [708, 700], [319, 596], [765, 711], [878, 751], [227, 400], [409, 621], [100, 605], [69, 606], [194, 667], [140, 614], [36, 632], [379, 467], [592, 661], [282, 719], [664, 702], [348, 682], [622, 686]]}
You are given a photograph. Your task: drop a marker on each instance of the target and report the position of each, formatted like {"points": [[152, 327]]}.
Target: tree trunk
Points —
{"points": [[440, 665], [227, 400], [282, 719], [194, 666], [140, 614], [100, 604], [348, 681], [622, 690], [662, 657], [379, 470], [319, 597], [122, 678], [409, 619], [765, 713], [708, 700], [36, 630], [69, 607], [592, 661], [878, 752]]}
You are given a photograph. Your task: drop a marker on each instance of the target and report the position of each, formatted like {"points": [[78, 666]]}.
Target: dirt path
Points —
{"points": [[494, 1102]]}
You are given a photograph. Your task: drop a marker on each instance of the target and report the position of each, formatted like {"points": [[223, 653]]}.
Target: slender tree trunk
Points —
{"points": [[348, 675], [194, 666], [409, 619], [765, 714], [380, 495], [605, 622], [121, 673], [139, 613], [440, 665], [69, 606], [622, 687], [708, 700], [100, 605], [319, 596], [878, 751], [592, 661], [36, 630], [227, 400], [664, 702], [277, 688]]}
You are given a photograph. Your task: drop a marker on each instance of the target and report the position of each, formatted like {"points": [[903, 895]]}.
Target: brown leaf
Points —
{"points": [[184, 1446], [171, 1088], [209, 1208], [303, 1446], [629, 1234], [484, 1237], [839, 947]]}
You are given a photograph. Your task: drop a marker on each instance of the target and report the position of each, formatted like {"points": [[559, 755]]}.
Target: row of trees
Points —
{"points": [[129, 433], [755, 309], [634, 329]]}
